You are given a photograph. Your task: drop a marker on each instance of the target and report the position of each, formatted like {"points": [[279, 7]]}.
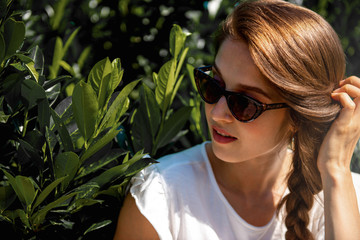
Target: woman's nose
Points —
{"points": [[220, 111]]}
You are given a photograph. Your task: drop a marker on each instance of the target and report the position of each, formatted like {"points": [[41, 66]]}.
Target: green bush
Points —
{"points": [[62, 174]]}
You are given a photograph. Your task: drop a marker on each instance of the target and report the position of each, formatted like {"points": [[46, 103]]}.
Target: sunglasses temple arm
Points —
{"points": [[274, 106]]}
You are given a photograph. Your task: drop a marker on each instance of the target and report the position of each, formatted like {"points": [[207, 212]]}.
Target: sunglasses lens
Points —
{"points": [[208, 89], [243, 108]]}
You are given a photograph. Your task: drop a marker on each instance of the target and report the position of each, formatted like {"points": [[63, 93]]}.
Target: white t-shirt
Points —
{"points": [[181, 199]]}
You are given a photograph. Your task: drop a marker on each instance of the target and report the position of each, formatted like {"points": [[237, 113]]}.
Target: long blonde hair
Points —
{"points": [[301, 56]]}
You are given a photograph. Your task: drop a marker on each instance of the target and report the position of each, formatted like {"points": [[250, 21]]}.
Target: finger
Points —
{"points": [[353, 80], [352, 90], [348, 105], [344, 99]]}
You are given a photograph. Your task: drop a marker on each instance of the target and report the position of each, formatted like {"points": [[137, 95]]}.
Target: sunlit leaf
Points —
{"points": [[37, 56], [70, 39], [117, 73], [57, 56], [34, 74], [177, 40], [100, 80], [118, 107], [97, 226], [165, 84], [59, 8], [84, 56]]}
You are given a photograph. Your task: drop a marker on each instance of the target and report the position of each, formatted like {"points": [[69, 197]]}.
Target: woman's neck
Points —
{"points": [[256, 178]]}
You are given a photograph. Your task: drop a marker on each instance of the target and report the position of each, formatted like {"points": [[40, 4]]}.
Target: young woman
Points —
{"points": [[284, 125]]}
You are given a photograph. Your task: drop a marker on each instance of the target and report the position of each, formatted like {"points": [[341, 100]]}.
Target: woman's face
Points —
{"points": [[264, 136]]}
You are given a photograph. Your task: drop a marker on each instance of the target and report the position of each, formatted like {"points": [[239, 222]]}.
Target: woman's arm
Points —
{"points": [[342, 218], [132, 225]]}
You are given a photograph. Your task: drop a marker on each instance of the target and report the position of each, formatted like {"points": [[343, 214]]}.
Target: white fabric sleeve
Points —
{"points": [[148, 190]]}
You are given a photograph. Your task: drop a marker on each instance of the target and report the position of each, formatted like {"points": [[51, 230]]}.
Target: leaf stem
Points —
{"points": [[25, 123]]}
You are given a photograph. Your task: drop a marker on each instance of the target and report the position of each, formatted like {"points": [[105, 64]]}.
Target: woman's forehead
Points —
{"points": [[237, 68]]}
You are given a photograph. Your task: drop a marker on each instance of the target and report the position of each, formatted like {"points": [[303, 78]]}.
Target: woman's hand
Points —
{"points": [[342, 218], [339, 143]]}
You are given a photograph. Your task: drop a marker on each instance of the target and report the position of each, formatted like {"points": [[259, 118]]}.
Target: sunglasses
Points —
{"points": [[243, 108]]}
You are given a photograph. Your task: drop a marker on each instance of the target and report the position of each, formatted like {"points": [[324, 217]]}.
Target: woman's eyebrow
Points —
{"points": [[242, 86]]}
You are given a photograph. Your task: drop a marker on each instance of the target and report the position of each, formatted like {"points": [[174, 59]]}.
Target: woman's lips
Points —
{"points": [[221, 136]]}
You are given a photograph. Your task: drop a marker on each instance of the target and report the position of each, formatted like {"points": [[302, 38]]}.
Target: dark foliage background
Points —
{"points": [[137, 32]]}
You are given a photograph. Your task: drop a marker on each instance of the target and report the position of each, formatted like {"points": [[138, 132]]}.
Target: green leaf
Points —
{"points": [[70, 39], [31, 68], [100, 163], [84, 56], [23, 188], [43, 195], [190, 70], [52, 82], [7, 197], [67, 67], [43, 114], [87, 190], [32, 92], [100, 80], [165, 84], [39, 217], [151, 110], [23, 58], [118, 107], [38, 58], [97, 226], [59, 13], [181, 61], [57, 57], [173, 125], [176, 88], [100, 142], [85, 108], [66, 164], [14, 34], [63, 132], [117, 73], [2, 49], [177, 40], [118, 171], [146, 121], [3, 8], [19, 213], [82, 202], [26, 189]]}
